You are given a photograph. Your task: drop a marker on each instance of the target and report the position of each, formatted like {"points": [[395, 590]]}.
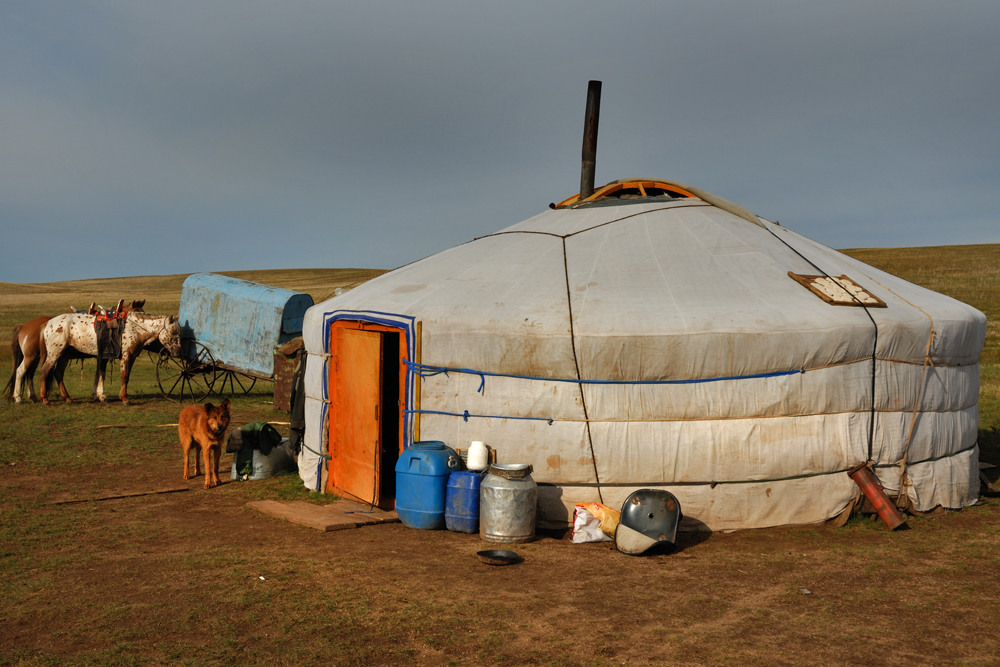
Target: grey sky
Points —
{"points": [[152, 138]]}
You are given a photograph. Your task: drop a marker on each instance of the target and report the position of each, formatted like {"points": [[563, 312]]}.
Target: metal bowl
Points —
{"points": [[511, 470], [498, 557]]}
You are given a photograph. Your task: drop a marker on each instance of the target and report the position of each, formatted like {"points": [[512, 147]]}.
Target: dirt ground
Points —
{"points": [[197, 578]]}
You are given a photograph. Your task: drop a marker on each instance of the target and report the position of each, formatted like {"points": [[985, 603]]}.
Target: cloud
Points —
{"points": [[224, 135]]}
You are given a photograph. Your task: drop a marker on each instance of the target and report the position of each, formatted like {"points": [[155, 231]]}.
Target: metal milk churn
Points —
{"points": [[508, 499]]}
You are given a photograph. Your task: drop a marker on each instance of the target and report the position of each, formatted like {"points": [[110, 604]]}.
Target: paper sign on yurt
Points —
{"points": [[841, 291]]}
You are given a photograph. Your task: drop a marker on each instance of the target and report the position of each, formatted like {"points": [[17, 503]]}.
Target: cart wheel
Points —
{"points": [[189, 376], [238, 383]]}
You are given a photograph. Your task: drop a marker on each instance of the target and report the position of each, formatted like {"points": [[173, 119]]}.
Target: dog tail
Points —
{"points": [[15, 352]]}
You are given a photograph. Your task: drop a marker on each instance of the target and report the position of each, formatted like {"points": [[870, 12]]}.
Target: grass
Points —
{"points": [[969, 273]]}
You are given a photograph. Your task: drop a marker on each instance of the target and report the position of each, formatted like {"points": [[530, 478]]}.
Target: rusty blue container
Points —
{"points": [[422, 473], [461, 506]]}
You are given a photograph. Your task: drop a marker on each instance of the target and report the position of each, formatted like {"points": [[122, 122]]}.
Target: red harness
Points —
{"points": [[109, 317]]}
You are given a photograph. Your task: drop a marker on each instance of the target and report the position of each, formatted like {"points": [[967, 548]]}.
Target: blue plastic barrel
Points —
{"points": [[421, 483], [461, 507]]}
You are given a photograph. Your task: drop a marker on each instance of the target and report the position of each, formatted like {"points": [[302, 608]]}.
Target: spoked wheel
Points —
{"points": [[238, 383], [188, 377]]}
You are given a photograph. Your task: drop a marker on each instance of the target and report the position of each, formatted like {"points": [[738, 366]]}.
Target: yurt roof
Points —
{"points": [[657, 287]]}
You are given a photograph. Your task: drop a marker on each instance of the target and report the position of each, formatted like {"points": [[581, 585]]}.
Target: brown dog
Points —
{"points": [[203, 427]]}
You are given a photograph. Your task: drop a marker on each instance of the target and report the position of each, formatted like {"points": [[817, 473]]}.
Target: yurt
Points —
{"points": [[652, 335]]}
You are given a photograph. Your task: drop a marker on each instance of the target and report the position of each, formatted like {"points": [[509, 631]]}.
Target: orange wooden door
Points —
{"points": [[355, 430]]}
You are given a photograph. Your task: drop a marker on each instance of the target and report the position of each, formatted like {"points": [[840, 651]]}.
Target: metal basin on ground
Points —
{"points": [[498, 557]]}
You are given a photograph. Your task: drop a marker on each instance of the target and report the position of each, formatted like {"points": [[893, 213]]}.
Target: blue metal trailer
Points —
{"points": [[230, 329]]}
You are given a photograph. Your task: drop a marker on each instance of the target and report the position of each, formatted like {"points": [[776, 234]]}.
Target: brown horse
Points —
{"points": [[28, 352]]}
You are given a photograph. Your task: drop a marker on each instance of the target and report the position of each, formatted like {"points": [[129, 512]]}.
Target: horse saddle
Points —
{"points": [[109, 336]]}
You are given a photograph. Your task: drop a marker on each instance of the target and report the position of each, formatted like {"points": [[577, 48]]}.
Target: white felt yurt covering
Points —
{"points": [[664, 345]]}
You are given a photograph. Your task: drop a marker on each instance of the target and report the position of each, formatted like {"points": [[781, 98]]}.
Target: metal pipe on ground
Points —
{"points": [[872, 488], [590, 123]]}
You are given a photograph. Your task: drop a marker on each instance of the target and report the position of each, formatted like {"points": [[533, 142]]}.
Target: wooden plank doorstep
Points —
{"points": [[339, 515], [362, 514], [303, 514]]}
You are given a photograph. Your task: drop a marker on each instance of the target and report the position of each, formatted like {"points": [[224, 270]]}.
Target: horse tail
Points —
{"points": [[18, 355]]}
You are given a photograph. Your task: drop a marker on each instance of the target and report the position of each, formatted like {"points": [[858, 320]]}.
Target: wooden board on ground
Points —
{"points": [[339, 515], [115, 496]]}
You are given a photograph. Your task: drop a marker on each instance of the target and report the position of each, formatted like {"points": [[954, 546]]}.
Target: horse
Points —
{"points": [[76, 332], [28, 352]]}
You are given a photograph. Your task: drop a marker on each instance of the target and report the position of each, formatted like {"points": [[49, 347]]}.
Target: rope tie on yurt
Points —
{"points": [[902, 499], [597, 226], [322, 458], [904, 479], [871, 425], [326, 457], [576, 364]]}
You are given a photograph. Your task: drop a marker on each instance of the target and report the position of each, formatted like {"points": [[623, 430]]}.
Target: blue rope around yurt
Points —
{"points": [[426, 370], [465, 415]]}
